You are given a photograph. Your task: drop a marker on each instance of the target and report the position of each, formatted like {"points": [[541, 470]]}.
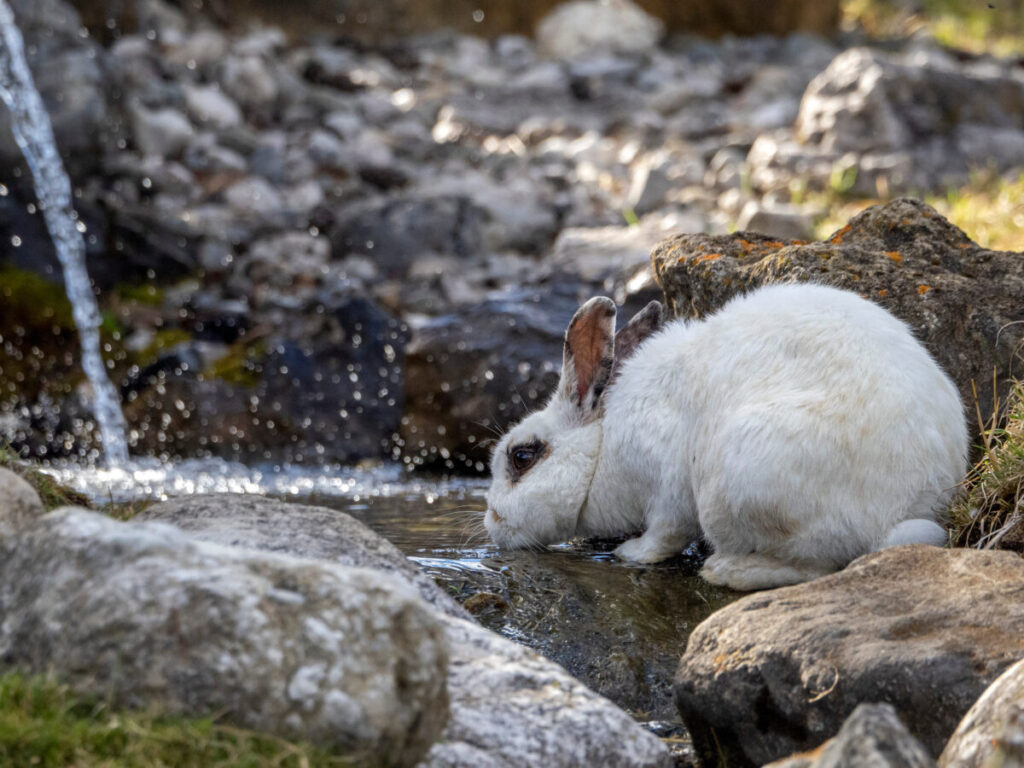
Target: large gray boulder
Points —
{"points": [[897, 122], [964, 302], [143, 614], [923, 629], [510, 707], [256, 522], [19, 503], [872, 736], [992, 732]]}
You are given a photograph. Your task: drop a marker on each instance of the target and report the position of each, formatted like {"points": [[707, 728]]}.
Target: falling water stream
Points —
{"points": [[31, 127]]}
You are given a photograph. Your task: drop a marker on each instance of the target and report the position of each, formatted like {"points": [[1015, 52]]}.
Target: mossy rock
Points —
{"points": [[52, 493], [39, 353]]}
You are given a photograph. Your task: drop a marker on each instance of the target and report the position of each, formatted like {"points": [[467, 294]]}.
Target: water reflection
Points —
{"points": [[618, 627]]}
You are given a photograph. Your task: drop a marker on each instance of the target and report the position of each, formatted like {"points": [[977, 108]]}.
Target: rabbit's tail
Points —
{"points": [[915, 531]]}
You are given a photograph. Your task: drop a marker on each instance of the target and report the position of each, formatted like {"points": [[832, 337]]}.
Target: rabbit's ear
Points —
{"points": [[645, 322], [588, 355]]}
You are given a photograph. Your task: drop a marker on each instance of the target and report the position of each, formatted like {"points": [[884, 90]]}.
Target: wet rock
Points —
{"points": [[471, 373], [19, 503], [253, 196], [778, 673], [521, 213], [162, 132], [68, 73], [964, 302], [143, 615], [291, 264], [316, 532], [250, 81], [199, 50], [992, 732], [509, 706], [208, 105], [585, 26], [872, 735], [396, 231], [325, 388], [616, 260], [788, 222]]}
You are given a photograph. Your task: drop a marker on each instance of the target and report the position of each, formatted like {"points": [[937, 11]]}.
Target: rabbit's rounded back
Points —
{"points": [[804, 421]]}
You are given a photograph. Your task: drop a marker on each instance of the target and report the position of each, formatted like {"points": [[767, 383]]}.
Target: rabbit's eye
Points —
{"points": [[523, 456]]}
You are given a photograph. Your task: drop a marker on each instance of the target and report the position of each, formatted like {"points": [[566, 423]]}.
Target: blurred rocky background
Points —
{"points": [[348, 231]]}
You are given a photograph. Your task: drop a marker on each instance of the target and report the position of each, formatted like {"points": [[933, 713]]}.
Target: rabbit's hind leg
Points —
{"points": [[750, 572]]}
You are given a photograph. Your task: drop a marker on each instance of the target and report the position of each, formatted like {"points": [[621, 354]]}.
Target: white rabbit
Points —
{"points": [[797, 428]]}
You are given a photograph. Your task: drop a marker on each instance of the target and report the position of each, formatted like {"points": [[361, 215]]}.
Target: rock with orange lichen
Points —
{"points": [[923, 629], [964, 302]]}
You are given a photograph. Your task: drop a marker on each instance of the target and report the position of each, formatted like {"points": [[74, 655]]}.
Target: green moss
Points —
{"points": [[31, 298], [242, 365], [972, 25], [40, 344], [149, 295], [52, 493], [162, 340], [43, 724], [990, 513]]}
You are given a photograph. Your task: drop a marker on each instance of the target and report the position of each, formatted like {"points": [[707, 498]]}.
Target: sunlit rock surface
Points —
{"points": [[241, 520], [143, 614], [921, 628], [19, 503]]}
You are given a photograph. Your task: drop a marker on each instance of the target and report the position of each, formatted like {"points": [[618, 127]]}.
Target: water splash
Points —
{"points": [[31, 127], [148, 478]]}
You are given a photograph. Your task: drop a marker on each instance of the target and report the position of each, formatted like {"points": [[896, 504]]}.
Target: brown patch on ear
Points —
{"points": [[644, 323], [589, 350]]}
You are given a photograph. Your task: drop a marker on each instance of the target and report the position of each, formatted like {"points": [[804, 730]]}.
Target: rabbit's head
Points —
{"points": [[542, 468]]}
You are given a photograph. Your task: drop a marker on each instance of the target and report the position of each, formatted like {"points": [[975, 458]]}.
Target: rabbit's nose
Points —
{"points": [[493, 516]]}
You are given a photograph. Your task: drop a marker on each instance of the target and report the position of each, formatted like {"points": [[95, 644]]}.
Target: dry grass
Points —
{"points": [[990, 209], [979, 26], [990, 514]]}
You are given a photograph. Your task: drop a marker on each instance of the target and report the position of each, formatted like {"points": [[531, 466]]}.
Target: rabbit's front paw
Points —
{"points": [[642, 549]]}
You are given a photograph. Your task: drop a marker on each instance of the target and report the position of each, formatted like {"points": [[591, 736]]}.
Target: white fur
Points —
{"points": [[796, 429]]}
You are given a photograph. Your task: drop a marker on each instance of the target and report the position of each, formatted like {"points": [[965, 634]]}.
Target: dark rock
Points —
{"points": [[778, 672], [992, 732], [327, 389], [68, 72], [396, 231], [873, 735], [964, 302], [468, 375]]}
